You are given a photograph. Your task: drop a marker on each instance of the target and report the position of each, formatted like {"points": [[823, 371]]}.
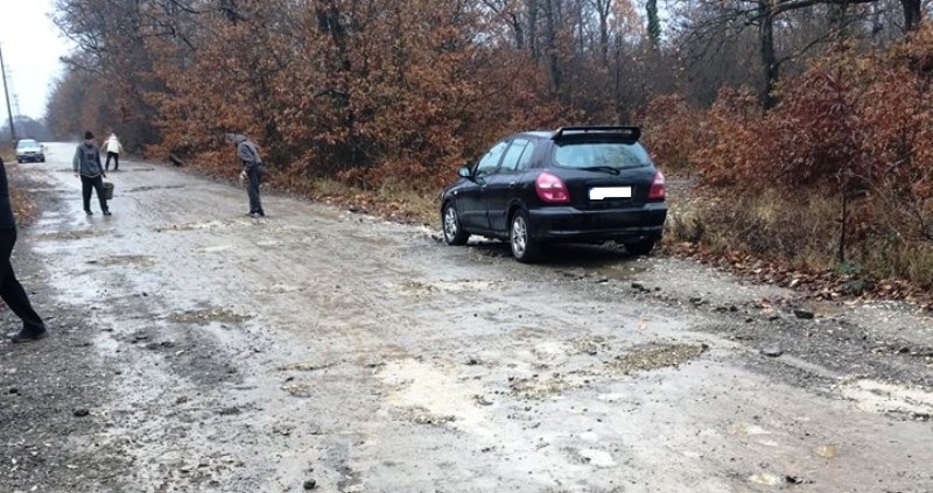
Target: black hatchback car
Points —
{"points": [[575, 184]]}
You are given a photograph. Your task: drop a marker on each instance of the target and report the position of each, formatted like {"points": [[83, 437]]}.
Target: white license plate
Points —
{"points": [[601, 193]]}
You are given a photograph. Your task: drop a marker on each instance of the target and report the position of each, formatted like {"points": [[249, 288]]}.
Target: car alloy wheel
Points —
{"points": [[524, 249], [453, 232]]}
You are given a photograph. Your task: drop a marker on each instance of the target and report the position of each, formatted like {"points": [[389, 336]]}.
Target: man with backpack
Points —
{"points": [[88, 167]]}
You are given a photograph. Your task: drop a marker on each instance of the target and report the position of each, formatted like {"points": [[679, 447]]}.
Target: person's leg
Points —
{"points": [[99, 189], [13, 294], [86, 193], [258, 199], [255, 175], [116, 161], [107, 164]]}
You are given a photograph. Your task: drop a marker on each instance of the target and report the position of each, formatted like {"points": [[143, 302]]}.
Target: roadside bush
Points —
{"points": [[673, 131], [852, 128]]}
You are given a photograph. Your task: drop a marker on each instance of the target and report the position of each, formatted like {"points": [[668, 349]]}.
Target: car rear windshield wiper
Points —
{"points": [[607, 169]]}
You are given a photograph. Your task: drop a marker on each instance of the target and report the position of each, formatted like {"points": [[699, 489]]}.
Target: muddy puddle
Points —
{"points": [[206, 316], [542, 387], [80, 234], [148, 188], [655, 356], [124, 260], [418, 288]]}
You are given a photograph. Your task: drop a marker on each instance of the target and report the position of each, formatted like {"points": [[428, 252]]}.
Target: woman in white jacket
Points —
{"points": [[113, 148]]}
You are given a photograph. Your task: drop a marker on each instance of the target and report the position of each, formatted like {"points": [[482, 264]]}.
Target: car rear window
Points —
{"points": [[590, 154]]}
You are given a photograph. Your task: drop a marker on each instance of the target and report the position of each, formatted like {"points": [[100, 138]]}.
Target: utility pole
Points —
{"points": [[6, 93]]}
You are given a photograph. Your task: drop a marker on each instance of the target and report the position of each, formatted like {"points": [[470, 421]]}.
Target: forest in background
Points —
{"points": [[813, 117]]}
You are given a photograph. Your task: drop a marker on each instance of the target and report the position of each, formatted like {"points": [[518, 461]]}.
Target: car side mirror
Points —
{"points": [[464, 172]]}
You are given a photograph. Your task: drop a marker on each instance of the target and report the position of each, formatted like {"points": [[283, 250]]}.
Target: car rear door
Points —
{"points": [[471, 199], [508, 183]]}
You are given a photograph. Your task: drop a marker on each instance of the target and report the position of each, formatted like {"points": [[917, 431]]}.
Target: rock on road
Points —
{"points": [[196, 349]]}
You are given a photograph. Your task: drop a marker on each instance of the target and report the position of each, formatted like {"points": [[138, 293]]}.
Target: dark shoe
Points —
{"points": [[29, 335], [107, 213], [89, 213], [255, 215]]}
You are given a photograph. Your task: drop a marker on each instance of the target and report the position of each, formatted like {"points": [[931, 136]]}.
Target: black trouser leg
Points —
{"points": [[98, 183], [116, 160], [86, 184], [11, 290], [107, 164], [255, 178]]}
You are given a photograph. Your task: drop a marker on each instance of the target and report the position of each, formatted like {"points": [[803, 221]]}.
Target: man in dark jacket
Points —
{"points": [[87, 166], [248, 154], [11, 290]]}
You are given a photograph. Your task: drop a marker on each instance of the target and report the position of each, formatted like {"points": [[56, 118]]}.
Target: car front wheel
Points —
{"points": [[453, 231], [639, 248], [524, 248]]}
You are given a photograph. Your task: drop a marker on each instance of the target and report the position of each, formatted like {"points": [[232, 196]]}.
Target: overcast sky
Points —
{"points": [[32, 46]]}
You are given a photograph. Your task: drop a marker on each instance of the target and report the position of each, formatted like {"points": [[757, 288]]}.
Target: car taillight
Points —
{"points": [[657, 191], [551, 189]]}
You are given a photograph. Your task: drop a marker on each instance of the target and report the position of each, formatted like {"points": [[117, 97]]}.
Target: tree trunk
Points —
{"points": [[533, 29], [654, 23], [913, 14], [768, 59], [554, 68]]}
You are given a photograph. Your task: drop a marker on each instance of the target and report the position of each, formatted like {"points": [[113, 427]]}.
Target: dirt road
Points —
{"points": [[195, 349]]}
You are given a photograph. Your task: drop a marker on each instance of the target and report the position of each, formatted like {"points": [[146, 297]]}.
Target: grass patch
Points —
{"points": [[804, 231]]}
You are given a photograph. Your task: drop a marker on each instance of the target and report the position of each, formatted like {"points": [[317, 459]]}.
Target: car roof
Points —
{"points": [[27, 141]]}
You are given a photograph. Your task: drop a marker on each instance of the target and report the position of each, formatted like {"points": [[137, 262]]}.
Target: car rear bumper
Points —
{"points": [[570, 224]]}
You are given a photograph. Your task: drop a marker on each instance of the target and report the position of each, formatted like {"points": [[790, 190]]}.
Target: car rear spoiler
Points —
{"points": [[629, 134]]}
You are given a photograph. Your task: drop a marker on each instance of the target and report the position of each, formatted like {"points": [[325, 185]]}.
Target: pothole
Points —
{"points": [[655, 356], [136, 260], [207, 316], [79, 234]]}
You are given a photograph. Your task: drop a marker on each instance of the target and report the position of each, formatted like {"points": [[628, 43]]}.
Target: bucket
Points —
{"points": [[108, 190]]}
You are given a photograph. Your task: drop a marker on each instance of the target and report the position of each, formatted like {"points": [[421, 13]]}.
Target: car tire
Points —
{"points": [[524, 248], [639, 248], [453, 231]]}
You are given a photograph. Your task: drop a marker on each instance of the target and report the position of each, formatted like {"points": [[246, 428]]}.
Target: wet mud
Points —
{"points": [[197, 350]]}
